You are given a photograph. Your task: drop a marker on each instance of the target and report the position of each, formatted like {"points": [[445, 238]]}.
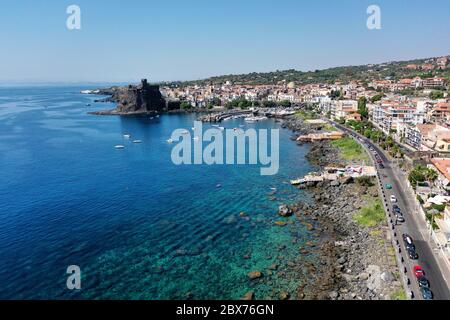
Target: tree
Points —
{"points": [[389, 142], [362, 107], [336, 94], [367, 133], [285, 103], [395, 151], [377, 97], [244, 104], [419, 174], [186, 105], [269, 104], [436, 94], [430, 176]]}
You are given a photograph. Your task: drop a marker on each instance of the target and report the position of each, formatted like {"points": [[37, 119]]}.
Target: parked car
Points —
{"points": [[426, 293], [389, 186], [381, 166], [418, 271], [393, 199], [409, 243], [423, 282], [412, 253], [400, 217]]}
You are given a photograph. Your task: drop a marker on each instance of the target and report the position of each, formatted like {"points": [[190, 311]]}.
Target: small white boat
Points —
{"points": [[151, 118], [137, 141], [119, 146], [157, 115], [126, 136], [221, 128], [170, 141], [196, 138], [215, 125]]}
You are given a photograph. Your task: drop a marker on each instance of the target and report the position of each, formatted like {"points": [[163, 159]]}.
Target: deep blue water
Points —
{"points": [[138, 226]]}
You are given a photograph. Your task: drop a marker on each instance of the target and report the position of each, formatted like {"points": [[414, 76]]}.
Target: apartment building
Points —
{"points": [[343, 108], [433, 82], [441, 111], [388, 116]]}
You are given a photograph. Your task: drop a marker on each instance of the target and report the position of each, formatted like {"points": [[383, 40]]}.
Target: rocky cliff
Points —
{"points": [[143, 98]]}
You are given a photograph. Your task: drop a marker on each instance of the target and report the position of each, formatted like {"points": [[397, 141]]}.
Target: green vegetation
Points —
{"points": [[419, 198], [185, 105], [384, 141], [431, 219], [438, 207], [399, 295], [350, 149], [377, 97], [329, 127], [436, 94], [422, 174], [365, 181], [269, 104], [365, 73], [306, 115], [285, 104], [362, 107], [370, 215], [336, 94], [239, 103]]}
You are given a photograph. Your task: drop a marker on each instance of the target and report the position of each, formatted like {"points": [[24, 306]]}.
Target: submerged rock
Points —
{"points": [[248, 296], [285, 211], [284, 295], [254, 275], [273, 266]]}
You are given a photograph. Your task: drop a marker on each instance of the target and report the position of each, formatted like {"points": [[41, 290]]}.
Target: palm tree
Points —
{"points": [[430, 176]]}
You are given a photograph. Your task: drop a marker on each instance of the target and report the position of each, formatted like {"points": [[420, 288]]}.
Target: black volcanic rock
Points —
{"points": [[138, 99]]}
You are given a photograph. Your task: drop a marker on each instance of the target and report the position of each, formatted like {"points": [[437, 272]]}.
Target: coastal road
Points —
{"points": [[428, 259]]}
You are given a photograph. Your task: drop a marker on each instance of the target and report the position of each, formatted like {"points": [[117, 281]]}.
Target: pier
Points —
{"points": [[218, 117]]}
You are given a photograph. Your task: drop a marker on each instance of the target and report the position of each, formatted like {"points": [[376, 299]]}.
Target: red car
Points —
{"points": [[418, 271]]}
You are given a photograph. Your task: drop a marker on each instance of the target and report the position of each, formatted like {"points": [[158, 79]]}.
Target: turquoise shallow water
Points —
{"points": [[138, 226]]}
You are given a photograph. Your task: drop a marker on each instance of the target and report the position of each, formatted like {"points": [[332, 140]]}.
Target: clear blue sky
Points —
{"points": [[192, 39]]}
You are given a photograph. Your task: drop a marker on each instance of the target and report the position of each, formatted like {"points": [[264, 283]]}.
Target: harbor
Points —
{"points": [[250, 115]]}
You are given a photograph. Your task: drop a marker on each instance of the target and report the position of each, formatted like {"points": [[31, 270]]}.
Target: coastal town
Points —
{"points": [[406, 118]]}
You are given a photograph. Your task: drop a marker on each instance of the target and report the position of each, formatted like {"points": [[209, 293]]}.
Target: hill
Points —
{"points": [[391, 70]]}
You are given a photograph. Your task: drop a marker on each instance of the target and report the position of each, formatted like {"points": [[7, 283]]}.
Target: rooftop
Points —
{"points": [[443, 165]]}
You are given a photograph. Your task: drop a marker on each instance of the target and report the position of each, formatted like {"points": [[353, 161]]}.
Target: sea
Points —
{"points": [[135, 224]]}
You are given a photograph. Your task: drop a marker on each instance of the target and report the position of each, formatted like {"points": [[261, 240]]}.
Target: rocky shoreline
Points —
{"points": [[357, 262]]}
